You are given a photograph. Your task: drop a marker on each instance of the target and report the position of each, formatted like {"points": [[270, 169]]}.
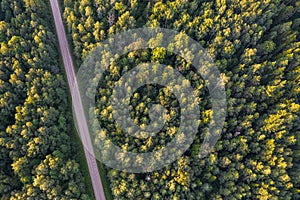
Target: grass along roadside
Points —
{"points": [[105, 181], [76, 138]]}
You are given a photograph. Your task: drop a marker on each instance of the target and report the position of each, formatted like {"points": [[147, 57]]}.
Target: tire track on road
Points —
{"points": [[77, 103]]}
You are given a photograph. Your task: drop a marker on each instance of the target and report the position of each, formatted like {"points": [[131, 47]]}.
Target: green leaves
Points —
{"points": [[33, 108], [256, 47]]}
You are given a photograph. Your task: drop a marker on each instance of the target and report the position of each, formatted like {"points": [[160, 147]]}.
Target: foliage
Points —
{"points": [[255, 45], [37, 156]]}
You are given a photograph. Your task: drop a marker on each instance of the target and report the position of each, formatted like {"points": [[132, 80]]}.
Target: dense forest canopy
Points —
{"points": [[38, 158], [255, 45]]}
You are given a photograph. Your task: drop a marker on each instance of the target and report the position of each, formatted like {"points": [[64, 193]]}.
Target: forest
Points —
{"points": [[256, 46], [38, 156]]}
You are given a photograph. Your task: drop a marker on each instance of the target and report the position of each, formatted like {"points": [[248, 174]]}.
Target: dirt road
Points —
{"points": [[76, 100]]}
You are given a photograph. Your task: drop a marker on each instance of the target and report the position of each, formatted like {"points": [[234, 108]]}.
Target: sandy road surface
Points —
{"points": [[76, 100]]}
